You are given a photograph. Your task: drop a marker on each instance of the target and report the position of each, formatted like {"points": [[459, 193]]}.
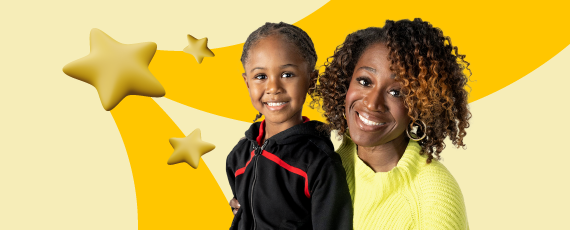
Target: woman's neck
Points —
{"points": [[385, 157], [272, 128]]}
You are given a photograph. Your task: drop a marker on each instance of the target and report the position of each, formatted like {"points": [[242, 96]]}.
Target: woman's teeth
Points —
{"points": [[275, 103], [369, 122]]}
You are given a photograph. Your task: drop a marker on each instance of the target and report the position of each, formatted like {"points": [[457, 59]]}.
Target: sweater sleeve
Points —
{"points": [[443, 206], [331, 205]]}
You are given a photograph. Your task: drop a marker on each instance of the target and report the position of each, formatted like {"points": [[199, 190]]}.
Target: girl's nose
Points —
{"points": [[273, 86], [374, 100]]}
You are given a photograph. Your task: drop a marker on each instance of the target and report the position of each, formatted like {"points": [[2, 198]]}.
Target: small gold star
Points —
{"points": [[189, 149], [116, 70], [198, 48]]}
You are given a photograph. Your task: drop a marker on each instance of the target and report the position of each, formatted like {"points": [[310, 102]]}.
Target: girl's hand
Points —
{"points": [[235, 205]]}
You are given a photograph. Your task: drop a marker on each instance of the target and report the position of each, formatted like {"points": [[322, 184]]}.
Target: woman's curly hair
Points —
{"points": [[426, 64]]}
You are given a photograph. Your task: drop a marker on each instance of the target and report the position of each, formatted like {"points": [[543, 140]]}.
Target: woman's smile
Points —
{"points": [[368, 123]]}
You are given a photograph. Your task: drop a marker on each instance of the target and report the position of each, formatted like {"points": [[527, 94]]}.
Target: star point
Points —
{"points": [[116, 70], [189, 149], [198, 48]]}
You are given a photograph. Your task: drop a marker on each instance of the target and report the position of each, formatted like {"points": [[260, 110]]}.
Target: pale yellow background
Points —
{"points": [[63, 164]]}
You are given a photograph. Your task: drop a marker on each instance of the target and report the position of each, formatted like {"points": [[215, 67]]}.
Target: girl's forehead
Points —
{"points": [[274, 50]]}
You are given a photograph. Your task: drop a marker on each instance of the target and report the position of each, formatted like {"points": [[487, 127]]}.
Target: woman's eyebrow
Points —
{"points": [[370, 69]]}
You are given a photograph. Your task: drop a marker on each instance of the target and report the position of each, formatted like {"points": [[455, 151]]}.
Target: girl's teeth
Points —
{"points": [[368, 122], [276, 104]]}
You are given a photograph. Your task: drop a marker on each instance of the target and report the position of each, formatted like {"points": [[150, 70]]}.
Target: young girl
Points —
{"points": [[285, 173]]}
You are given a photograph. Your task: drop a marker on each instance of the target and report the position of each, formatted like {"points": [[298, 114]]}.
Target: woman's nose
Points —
{"points": [[374, 100], [273, 85]]}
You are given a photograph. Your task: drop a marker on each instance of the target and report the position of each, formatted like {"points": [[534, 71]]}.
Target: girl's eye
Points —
{"points": [[260, 77], [395, 93], [363, 81], [287, 75]]}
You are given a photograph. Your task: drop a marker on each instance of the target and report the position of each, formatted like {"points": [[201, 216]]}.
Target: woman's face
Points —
{"points": [[374, 103]]}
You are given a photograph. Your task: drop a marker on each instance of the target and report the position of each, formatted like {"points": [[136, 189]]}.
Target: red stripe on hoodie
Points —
{"points": [[242, 170], [289, 168]]}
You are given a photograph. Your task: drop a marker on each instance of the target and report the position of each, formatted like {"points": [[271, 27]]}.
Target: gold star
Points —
{"points": [[116, 70], [189, 149], [198, 48]]}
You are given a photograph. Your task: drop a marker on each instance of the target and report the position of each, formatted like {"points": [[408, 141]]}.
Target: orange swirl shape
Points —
{"points": [[168, 196], [503, 44]]}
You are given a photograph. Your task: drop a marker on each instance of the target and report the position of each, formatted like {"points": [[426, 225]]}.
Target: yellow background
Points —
{"points": [[66, 163]]}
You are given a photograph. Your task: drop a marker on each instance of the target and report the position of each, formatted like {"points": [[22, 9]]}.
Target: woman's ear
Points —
{"points": [[245, 80]]}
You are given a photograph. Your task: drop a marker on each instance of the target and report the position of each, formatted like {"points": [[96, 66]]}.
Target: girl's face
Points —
{"points": [[277, 77], [375, 109]]}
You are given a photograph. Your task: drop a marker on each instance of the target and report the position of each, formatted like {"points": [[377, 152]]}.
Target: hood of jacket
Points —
{"points": [[306, 130]]}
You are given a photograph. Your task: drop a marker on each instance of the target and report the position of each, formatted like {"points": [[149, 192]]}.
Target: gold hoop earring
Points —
{"points": [[257, 116], [424, 130]]}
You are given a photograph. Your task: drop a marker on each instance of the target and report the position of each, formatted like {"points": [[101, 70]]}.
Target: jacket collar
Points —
{"points": [[306, 129]]}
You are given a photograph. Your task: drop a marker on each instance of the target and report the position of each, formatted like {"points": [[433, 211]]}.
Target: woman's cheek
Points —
{"points": [[349, 99], [401, 113]]}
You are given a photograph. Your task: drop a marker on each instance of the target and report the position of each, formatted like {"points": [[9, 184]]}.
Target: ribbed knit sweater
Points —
{"points": [[413, 195]]}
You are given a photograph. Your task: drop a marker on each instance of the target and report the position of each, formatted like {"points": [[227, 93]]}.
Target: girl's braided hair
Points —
{"points": [[291, 33]]}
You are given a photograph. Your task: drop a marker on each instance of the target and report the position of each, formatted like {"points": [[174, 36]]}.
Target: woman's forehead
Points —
{"points": [[374, 59]]}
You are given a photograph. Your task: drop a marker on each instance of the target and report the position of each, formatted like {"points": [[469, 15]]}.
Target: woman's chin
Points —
{"points": [[365, 139]]}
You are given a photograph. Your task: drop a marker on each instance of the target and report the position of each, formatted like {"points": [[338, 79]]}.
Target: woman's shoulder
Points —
{"points": [[442, 202], [435, 175]]}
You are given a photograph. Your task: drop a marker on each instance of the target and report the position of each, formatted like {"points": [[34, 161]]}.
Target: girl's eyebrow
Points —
{"points": [[288, 65], [256, 68], [282, 67]]}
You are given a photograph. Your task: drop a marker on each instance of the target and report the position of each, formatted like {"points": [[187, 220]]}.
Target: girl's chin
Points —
{"points": [[281, 118]]}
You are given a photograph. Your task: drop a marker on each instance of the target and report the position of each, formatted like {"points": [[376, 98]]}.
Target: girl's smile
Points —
{"points": [[276, 105]]}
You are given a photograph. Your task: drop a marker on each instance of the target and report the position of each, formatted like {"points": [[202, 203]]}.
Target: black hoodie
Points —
{"points": [[294, 180]]}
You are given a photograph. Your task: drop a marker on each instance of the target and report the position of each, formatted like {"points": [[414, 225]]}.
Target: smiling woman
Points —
{"points": [[396, 93]]}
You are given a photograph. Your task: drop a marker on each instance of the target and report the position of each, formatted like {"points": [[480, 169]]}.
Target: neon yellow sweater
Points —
{"points": [[413, 195]]}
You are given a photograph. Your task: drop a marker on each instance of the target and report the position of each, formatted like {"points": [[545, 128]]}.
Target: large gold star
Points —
{"points": [[198, 48], [116, 70], [189, 149]]}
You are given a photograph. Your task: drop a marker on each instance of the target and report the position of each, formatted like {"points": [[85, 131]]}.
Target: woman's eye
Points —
{"points": [[260, 77], [395, 93], [363, 81], [287, 75]]}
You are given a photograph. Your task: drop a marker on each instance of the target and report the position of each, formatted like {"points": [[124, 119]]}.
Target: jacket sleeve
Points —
{"points": [[230, 164], [331, 205]]}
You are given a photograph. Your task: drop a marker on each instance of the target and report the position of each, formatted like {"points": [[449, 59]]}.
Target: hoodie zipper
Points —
{"points": [[258, 151]]}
